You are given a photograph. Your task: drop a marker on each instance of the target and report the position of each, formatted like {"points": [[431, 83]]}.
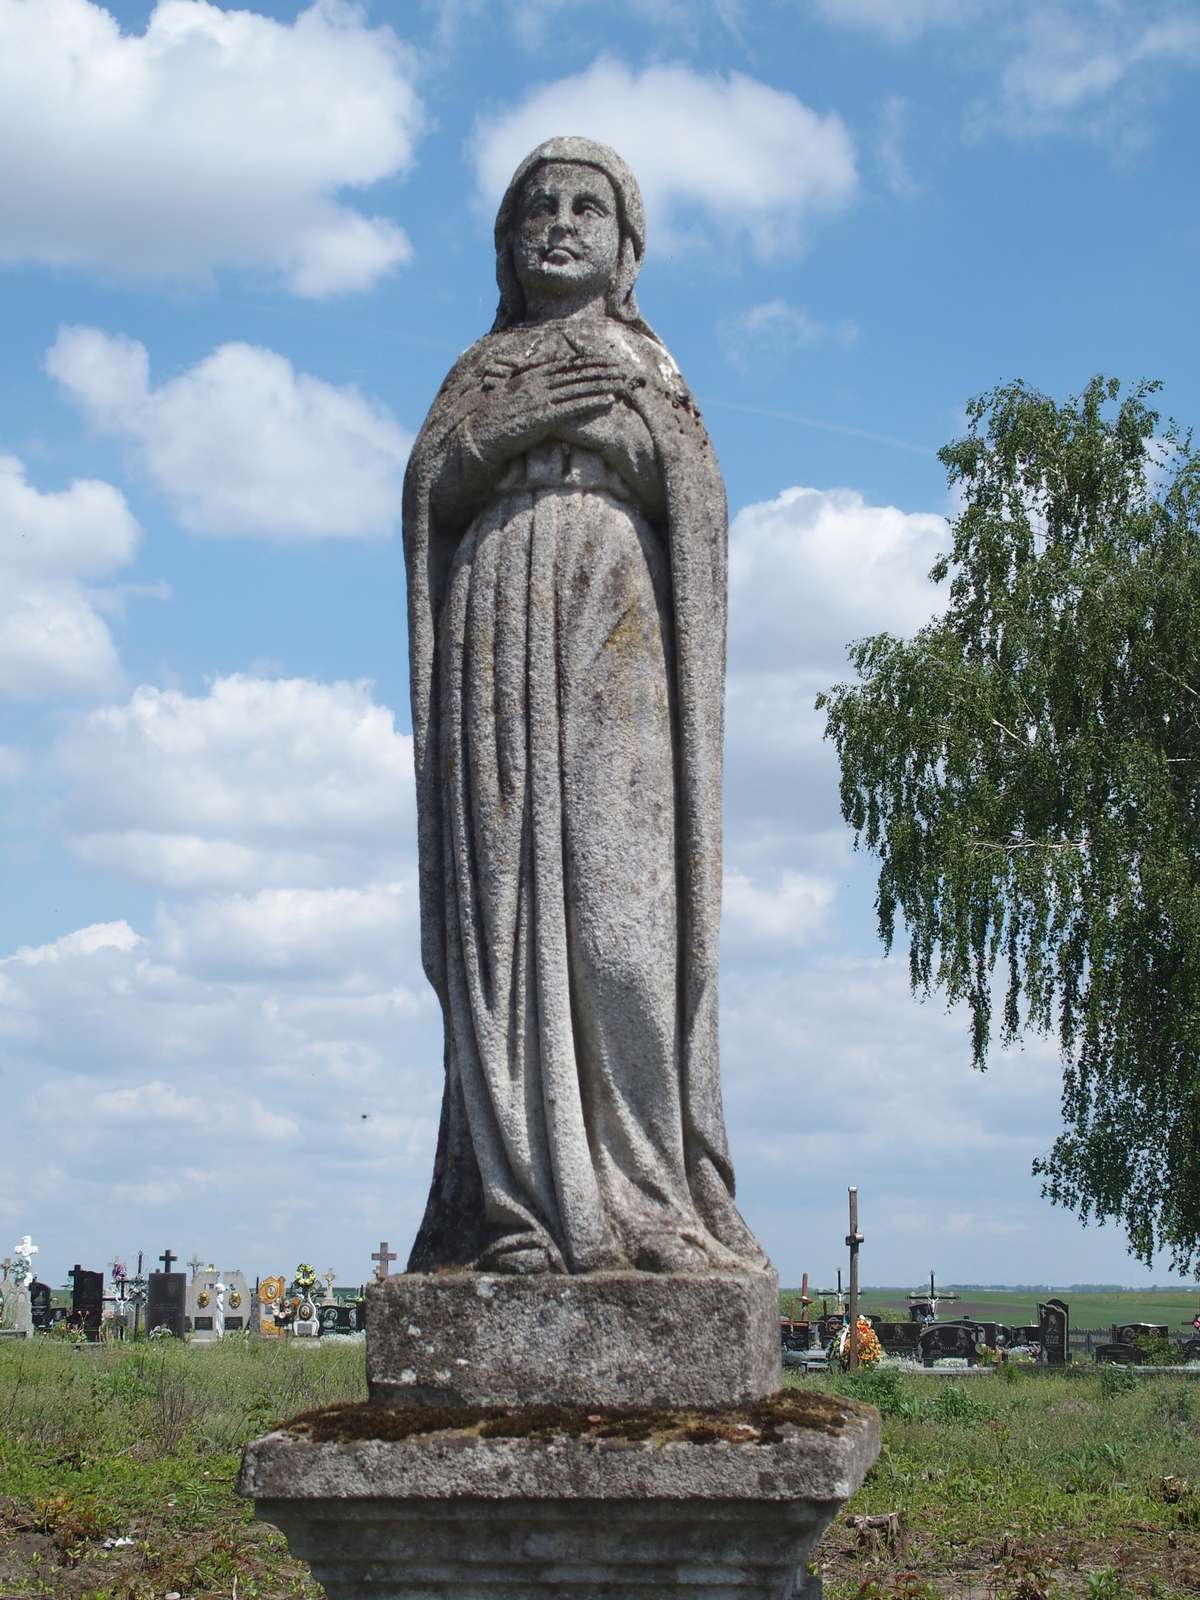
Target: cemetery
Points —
{"points": [[578, 1375]]}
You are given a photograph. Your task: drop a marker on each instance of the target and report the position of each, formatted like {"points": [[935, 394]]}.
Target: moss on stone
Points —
{"points": [[766, 1421]]}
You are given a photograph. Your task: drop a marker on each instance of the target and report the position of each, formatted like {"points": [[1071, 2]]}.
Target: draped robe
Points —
{"points": [[567, 642]]}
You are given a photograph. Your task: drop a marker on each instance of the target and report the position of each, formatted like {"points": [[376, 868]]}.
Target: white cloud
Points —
{"points": [[241, 443], [897, 19], [326, 936], [53, 640], [783, 916], [14, 764], [310, 1070], [728, 152], [814, 568], [150, 1105], [767, 334], [808, 572], [258, 782], [889, 149], [218, 138], [1094, 76]]}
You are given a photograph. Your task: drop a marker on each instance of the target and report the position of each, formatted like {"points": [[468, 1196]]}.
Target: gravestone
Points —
{"points": [[39, 1306], [565, 538], [944, 1340], [994, 1334], [87, 1301], [899, 1338], [1055, 1335], [828, 1326], [271, 1290], [1124, 1354], [239, 1298], [166, 1302], [305, 1324], [1131, 1332], [202, 1305]]}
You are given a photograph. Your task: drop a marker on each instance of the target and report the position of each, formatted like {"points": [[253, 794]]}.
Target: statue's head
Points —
{"points": [[590, 182]]}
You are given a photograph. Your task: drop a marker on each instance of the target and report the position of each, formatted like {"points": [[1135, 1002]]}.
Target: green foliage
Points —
{"points": [[881, 1387], [1117, 1379], [1027, 770], [1106, 1583], [1156, 1351]]}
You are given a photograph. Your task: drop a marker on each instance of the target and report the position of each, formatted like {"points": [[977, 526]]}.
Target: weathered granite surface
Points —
{"points": [[566, 549], [452, 1513], [596, 1339]]}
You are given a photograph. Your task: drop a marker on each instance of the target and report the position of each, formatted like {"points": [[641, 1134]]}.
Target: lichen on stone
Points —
{"points": [[762, 1422]]}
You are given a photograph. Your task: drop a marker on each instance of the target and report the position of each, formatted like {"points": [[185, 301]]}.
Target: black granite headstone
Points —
{"points": [[166, 1294], [1131, 1332], [827, 1326], [899, 1338], [940, 1339], [1053, 1318], [87, 1301], [1126, 1354], [39, 1306]]}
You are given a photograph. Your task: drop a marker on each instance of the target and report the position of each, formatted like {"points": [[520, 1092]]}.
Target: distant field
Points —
{"points": [[1175, 1307]]}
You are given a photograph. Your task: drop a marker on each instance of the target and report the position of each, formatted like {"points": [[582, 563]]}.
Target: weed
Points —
{"points": [[955, 1402], [1106, 1584], [1116, 1380]]}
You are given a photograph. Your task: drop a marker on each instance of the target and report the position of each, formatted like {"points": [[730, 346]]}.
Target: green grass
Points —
{"points": [[143, 1441], [1027, 1487], [1042, 1487]]}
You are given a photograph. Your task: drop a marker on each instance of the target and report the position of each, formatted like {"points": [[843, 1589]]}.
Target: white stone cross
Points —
{"points": [[24, 1252]]}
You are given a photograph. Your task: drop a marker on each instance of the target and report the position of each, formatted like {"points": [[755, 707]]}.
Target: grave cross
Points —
{"points": [[195, 1263], [853, 1240], [383, 1255], [168, 1260], [6, 1264]]}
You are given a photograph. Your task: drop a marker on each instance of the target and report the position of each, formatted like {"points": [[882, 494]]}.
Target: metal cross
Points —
{"points": [[383, 1255], [168, 1260]]}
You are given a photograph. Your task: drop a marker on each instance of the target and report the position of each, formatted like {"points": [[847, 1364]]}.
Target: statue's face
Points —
{"points": [[568, 235]]}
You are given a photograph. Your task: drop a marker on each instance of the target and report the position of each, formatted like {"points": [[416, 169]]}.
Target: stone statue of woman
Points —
{"points": [[565, 541]]}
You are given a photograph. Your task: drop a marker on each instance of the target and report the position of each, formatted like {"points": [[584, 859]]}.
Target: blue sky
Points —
{"points": [[238, 252]]}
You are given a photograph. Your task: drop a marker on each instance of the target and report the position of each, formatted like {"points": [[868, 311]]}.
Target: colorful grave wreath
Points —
{"points": [[869, 1348]]}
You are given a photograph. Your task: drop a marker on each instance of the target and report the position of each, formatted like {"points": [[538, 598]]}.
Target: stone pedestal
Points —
{"points": [[496, 1505], [600, 1339]]}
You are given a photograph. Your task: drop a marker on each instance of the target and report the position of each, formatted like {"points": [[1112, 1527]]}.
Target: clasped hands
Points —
{"points": [[553, 398]]}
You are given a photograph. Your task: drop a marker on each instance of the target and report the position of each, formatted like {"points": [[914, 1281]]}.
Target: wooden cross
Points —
{"points": [[383, 1255], [168, 1260], [853, 1239]]}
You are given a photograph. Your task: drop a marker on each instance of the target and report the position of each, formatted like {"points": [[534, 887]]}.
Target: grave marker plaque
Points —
{"points": [[166, 1297]]}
